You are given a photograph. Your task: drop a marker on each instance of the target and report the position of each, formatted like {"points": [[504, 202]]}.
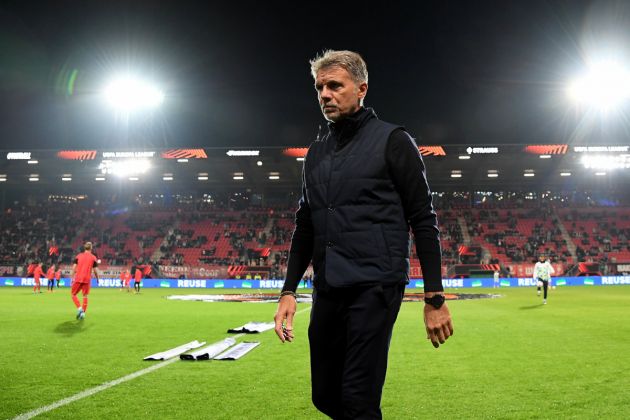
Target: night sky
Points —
{"points": [[237, 73]]}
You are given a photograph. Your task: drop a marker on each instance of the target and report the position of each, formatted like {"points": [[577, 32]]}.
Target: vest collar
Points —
{"points": [[352, 123]]}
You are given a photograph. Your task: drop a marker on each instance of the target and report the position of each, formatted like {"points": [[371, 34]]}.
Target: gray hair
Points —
{"points": [[350, 61]]}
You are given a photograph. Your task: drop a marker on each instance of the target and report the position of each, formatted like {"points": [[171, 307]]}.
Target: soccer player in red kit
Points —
{"points": [[50, 275], [37, 275], [84, 264], [58, 277], [125, 278], [137, 279]]}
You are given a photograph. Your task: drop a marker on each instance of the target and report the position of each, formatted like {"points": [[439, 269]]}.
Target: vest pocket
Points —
{"points": [[383, 247]]}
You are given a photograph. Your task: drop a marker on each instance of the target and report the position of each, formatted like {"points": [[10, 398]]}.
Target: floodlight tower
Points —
{"points": [[128, 94]]}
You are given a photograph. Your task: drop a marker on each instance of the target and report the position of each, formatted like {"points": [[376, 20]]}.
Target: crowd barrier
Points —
{"points": [[277, 284]]}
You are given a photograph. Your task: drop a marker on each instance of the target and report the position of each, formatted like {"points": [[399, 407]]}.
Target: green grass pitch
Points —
{"points": [[510, 357]]}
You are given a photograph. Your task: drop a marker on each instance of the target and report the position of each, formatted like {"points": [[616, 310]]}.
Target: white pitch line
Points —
{"points": [[97, 389], [106, 385], [92, 391]]}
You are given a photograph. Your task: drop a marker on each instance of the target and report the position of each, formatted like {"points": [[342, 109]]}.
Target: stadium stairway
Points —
{"points": [[464, 227], [565, 234]]}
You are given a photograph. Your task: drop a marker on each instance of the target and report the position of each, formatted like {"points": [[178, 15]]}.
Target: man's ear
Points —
{"points": [[363, 88]]}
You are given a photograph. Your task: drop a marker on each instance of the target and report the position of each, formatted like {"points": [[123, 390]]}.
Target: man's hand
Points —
{"points": [[438, 324], [284, 318]]}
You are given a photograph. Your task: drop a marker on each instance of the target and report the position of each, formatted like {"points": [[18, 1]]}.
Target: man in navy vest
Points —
{"points": [[363, 189]]}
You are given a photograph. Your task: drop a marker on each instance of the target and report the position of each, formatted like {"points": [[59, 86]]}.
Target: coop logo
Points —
{"points": [[165, 284], [482, 150], [453, 283], [616, 280], [191, 283], [528, 281], [108, 283], [19, 156], [9, 283], [271, 284]]}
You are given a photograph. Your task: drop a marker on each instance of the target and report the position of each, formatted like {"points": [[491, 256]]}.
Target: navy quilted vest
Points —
{"points": [[361, 234]]}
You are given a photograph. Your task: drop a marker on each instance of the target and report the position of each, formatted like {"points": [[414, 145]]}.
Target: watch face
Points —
{"points": [[436, 301]]}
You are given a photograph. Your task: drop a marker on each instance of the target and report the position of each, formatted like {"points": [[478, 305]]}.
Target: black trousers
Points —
{"points": [[349, 337], [545, 286]]}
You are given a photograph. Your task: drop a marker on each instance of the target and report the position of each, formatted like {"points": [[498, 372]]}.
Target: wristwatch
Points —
{"points": [[436, 301]]}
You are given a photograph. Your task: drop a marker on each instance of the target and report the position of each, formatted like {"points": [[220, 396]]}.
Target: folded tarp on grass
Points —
{"points": [[209, 352], [253, 327], [237, 351], [169, 354]]}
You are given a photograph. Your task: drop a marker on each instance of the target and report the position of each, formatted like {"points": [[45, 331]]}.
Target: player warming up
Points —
{"points": [[84, 265], [137, 279], [125, 279], [38, 273], [542, 274], [58, 277], [50, 275]]}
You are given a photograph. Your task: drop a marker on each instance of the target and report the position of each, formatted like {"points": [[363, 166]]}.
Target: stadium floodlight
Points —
{"points": [[606, 85], [464, 157], [127, 93], [565, 173], [33, 162], [33, 178], [545, 156]]}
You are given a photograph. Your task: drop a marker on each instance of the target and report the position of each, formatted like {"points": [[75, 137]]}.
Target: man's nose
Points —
{"points": [[324, 94]]}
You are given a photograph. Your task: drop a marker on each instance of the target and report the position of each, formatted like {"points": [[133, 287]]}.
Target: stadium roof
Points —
{"points": [[237, 75], [449, 167]]}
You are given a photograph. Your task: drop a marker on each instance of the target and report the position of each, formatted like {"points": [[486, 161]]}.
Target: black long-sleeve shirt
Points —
{"points": [[407, 171]]}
